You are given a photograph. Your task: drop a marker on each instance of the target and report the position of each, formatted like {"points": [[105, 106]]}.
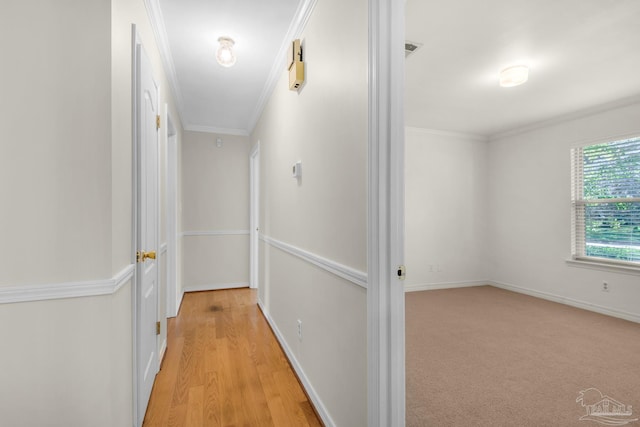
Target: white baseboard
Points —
{"points": [[215, 287], [315, 399], [179, 302], [568, 301], [215, 233], [163, 349], [444, 285]]}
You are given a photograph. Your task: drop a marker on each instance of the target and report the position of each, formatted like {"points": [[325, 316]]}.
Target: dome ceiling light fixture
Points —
{"points": [[514, 75], [225, 55]]}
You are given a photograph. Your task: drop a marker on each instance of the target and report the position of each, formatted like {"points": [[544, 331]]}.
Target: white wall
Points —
{"points": [[55, 221], [55, 170], [511, 198], [446, 226], [215, 189], [325, 127], [65, 186], [529, 210]]}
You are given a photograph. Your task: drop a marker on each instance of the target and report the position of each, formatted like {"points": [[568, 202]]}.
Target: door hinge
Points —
{"points": [[402, 272], [157, 122], [157, 328]]}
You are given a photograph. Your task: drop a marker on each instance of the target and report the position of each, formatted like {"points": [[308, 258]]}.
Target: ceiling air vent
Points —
{"points": [[410, 47]]}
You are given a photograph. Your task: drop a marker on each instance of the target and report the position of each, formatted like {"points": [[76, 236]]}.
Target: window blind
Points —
{"points": [[606, 201]]}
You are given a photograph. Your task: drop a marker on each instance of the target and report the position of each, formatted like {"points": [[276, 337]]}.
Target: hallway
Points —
{"points": [[223, 367], [79, 347]]}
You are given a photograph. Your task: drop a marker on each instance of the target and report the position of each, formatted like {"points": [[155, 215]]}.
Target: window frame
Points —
{"points": [[578, 203]]}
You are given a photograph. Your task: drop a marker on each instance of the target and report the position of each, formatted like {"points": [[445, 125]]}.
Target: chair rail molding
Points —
{"points": [[88, 288], [340, 270]]}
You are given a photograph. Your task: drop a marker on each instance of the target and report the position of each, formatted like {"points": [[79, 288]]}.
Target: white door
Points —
{"points": [[147, 230], [254, 179]]}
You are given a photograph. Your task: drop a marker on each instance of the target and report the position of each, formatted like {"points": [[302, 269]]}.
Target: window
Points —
{"points": [[606, 202]]}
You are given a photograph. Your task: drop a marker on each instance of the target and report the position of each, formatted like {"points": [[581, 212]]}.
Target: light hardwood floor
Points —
{"points": [[224, 367]]}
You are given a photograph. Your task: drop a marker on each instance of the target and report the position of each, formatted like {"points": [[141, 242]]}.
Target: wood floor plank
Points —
{"points": [[227, 386], [276, 407], [158, 411], [212, 403], [177, 415], [254, 395], [291, 398], [195, 407], [181, 388], [197, 373], [224, 367], [211, 348], [309, 414]]}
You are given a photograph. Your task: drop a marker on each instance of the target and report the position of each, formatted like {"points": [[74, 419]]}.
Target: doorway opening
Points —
{"points": [[254, 234], [174, 293]]}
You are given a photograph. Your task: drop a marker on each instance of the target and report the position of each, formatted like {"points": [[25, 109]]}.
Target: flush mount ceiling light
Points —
{"points": [[225, 55], [514, 76]]}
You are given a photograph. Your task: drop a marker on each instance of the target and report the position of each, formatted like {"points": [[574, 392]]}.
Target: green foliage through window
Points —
{"points": [[607, 200]]}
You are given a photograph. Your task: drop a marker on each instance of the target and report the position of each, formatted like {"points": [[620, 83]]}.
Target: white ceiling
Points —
{"points": [[582, 55], [211, 97]]}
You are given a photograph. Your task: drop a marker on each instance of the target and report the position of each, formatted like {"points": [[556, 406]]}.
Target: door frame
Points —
{"points": [[171, 184], [135, 301], [385, 226], [254, 216]]}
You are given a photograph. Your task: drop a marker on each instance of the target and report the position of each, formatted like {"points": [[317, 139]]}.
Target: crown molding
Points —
{"points": [[301, 17], [602, 108], [154, 12], [216, 130], [447, 133]]}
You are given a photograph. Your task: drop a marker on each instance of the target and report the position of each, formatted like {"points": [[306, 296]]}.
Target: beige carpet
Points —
{"points": [[488, 357]]}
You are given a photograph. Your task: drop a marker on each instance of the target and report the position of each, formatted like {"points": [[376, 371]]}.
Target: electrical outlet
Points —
{"points": [[299, 329], [605, 287]]}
